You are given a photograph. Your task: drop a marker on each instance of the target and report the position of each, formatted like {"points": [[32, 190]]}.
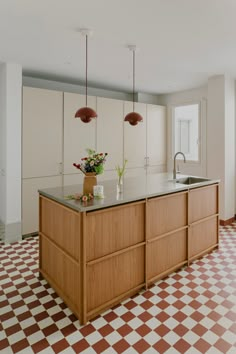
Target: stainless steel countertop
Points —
{"points": [[134, 189]]}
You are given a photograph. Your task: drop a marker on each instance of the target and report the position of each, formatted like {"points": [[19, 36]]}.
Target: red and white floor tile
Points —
{"points": [[192, 311]]}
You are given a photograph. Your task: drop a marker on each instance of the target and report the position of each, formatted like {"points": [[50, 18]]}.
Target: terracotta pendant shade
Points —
{"points": [[133, 117], [86, 114]]}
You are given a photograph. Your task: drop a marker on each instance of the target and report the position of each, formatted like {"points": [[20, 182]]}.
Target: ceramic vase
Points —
{"points": [[90, 180]]}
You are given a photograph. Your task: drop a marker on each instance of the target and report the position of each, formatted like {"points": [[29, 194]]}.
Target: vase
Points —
{"points": [[119, 187], [90, 180]]}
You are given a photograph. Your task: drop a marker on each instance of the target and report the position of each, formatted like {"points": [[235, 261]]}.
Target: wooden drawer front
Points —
{"points": [[114, 276], [62, 225], [203, 202], [202, 236], [62, 269], [166, 252], [115, 229], [165, 214]]}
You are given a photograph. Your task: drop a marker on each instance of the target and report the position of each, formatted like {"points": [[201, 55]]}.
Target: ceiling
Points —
{"points": [[181, 42]]}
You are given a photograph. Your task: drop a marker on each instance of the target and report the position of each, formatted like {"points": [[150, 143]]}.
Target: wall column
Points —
{"points": [[221, 140], [10, 151]]}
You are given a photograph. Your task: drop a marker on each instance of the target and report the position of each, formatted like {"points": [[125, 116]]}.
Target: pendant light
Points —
{"points": [[133, 117], [86, 114]]}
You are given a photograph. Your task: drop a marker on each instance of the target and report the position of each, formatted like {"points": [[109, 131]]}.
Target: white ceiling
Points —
{"points": [[182, 42]]}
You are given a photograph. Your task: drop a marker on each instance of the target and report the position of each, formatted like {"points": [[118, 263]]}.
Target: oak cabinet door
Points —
{"points": [[110, 130], [42, 132], [78, 136], [202, 236], [135, 138], [203, 202]]}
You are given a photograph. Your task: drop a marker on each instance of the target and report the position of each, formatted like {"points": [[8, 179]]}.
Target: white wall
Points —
{"points": [[10, 122], [217, 136], [3, 130], [229, 147], [179, 98], [221, 140]]}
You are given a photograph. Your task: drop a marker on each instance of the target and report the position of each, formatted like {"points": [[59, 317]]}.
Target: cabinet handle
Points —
{"points": [[146, 163]]}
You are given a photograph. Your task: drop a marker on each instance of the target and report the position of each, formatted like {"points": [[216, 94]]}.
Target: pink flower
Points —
{"points": [[84, 198]]}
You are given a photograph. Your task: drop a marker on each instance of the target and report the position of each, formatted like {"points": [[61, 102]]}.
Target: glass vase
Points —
{"points": [[119, 187]]}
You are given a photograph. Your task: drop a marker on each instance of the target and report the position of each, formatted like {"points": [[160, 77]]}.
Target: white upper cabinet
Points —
{"points": [[156, 135], [135, 137], [110, 130], [78, 136], [42, 132]]}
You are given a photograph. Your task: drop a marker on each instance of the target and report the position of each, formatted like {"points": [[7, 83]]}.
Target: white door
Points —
{"points": [[78, 136], [42, 132], [135, 137], [156, 135], [30, 200], [110, 130]]}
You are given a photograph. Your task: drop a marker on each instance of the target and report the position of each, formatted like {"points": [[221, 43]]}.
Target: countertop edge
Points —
{"points": [[79, 207]]}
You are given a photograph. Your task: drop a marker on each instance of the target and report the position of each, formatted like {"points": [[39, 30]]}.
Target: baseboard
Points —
{"points": [[227, 222], [32, 234]]}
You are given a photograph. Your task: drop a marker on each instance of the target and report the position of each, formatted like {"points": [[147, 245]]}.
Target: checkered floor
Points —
{"points": [[193, 311]]}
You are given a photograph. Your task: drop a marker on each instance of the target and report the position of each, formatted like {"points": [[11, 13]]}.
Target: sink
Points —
{"points": [[191, 180]]}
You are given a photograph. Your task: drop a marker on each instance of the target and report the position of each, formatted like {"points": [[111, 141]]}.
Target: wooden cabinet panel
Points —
{"points": [[62, 271], [166, 252], [62, 225], [135, 137], [202, 236], [42, 132], [30, 200], [156, 135], [165, 214], [110, 130], [114, 276], [203, 202], [78, 136], [114, 229]]}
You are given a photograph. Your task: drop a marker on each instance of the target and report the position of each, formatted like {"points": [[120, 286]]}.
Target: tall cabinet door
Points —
{"points": [[135, 137], [30, 200], [78, 136], [110, 130], [42, 132], [156, 135]]}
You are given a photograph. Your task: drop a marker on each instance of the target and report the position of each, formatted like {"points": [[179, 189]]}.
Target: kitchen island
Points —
{"points": [[97, 253]]}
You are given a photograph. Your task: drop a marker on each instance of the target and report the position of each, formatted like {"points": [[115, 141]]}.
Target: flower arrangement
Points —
{"points": [[121, 171], [93, 163], [81, 197]]}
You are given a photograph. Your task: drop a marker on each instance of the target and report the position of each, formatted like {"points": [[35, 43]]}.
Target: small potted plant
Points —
{"points": [[91, 165]]}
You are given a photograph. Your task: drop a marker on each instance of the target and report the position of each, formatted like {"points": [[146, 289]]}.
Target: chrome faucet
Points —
{"points": [[174, 170]]}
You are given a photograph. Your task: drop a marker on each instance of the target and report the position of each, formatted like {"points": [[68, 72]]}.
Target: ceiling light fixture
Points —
{"points": [[133, 117], [86, 113]]}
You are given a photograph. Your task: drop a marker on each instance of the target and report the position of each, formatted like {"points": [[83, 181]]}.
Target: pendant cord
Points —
{"points": [[86, 79], [133, 76]]}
